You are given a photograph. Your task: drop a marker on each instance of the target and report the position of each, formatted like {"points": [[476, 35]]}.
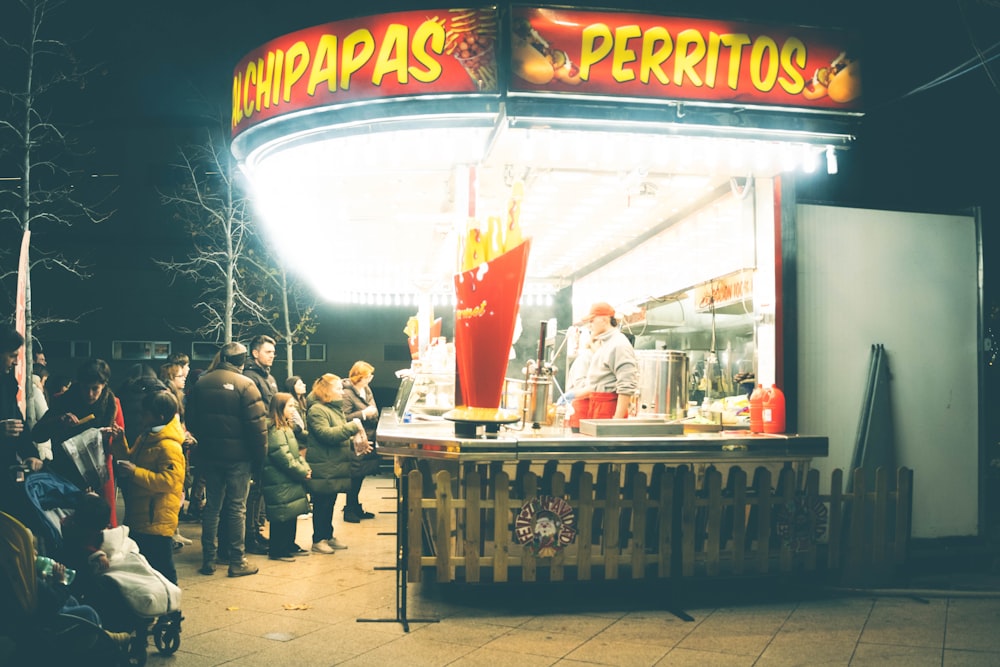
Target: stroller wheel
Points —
{"points": [[167, 635]]}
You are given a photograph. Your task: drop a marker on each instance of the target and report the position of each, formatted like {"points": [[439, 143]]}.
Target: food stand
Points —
{"points": [[648, 161]]}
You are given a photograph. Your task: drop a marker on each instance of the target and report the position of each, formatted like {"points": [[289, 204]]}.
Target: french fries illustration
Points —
{"points": [[500, 235], [470, 36]]}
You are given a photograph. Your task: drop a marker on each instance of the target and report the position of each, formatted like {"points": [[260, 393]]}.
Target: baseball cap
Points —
{"points": [[599, 309]]}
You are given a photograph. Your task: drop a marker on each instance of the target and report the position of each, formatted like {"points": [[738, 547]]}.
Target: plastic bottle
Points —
{"points": [[757, 409], [774, 410], [43, 566]]}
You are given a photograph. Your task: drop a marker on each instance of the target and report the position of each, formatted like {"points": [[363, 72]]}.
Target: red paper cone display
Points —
{"points": [[488, 299]]}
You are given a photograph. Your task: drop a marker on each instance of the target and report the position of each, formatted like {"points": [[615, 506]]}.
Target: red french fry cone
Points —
{"points": [[488, 302]]}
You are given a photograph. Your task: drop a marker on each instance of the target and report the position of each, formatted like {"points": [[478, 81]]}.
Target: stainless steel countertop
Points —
{"points": [[437, 440]]}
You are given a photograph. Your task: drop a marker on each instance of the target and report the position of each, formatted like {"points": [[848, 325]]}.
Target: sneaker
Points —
{"points": [[207, 568], [181, 539], [334, 543], [352, 517], [242, 569], [363, 514], [284, 557], [256, 548], [322, 548], [298, 551]]}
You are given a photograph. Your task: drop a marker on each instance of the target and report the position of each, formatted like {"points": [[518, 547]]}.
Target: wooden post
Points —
{"points": [[639, 505], [738, 478], [612, 515], [812, 501], [585, 513], [713, 526], [558, 490], [501, 525], [764, 504], [786, 482], [443, 527], [665, 523], [414, 525], [856, 545], [835, 535], [529, 562], [689, 512], [472, 527]]}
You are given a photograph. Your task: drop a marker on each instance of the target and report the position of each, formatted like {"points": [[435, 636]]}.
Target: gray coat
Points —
{"points": [[354, 403]]}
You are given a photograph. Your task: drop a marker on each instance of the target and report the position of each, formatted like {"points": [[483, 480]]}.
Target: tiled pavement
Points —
{"points": [[306, 613]]}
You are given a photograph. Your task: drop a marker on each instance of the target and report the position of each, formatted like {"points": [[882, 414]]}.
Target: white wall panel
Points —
{"points": [[910, 282]]}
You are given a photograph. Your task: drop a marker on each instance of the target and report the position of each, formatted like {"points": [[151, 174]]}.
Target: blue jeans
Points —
{"points": [[226, 488]]}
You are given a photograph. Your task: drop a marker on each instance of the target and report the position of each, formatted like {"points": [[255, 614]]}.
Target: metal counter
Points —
{"points": [[437, 440]]}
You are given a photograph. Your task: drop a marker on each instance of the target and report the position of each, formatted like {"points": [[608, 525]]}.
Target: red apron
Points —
{"points": [[580, 408], [603, 405]]}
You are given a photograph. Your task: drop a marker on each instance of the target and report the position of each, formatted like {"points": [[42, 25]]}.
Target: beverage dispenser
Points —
{"points": [[663, 383]]}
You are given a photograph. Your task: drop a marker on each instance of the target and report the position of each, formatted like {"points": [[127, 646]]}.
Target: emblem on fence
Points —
{"points": [[798, 524], [545, 525]]}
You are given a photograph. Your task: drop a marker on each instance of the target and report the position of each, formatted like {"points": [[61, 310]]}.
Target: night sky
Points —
{"points": [[166, 64], [163, 67]]}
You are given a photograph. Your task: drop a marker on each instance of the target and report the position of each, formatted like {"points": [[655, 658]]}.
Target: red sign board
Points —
{"points": [[552, 51], [439, 51], [645, 56]]}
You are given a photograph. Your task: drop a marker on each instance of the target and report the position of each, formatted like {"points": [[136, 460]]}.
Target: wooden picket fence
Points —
{"points": [[469, 524]]}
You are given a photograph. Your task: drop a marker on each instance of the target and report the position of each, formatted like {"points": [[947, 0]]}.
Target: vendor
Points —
{"points": [[613, 374]]}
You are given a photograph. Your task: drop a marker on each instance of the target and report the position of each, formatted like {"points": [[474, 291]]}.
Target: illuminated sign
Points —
{"points": [[737, 288], [551, 52], [644, 56], [437, 51]]}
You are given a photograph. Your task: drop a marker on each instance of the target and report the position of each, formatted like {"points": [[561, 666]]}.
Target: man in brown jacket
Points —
{"points": [[226, 415]]}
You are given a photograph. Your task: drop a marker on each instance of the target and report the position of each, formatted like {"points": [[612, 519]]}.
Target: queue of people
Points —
{"points": [[225, 447]]}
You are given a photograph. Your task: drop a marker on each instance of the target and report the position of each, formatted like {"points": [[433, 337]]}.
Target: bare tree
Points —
{"points": [[211, 205], [290, 303], [244, 289], [40, 148]]}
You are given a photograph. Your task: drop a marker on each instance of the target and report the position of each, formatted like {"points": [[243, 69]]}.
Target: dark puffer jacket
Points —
{"points": [[329, 447], [284, 476], [227, 417], [266, 384]]}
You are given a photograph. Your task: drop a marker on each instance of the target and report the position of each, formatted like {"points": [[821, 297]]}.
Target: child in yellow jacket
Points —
{"points": [[151, 476]]}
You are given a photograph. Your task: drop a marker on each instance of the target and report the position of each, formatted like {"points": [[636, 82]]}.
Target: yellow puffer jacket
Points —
{"points": [[153, 494]]}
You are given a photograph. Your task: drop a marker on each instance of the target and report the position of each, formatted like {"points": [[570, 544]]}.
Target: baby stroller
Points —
{"points": [[131, 596], [39, 638]]}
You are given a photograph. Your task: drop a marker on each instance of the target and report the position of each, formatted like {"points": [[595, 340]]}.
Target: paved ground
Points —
{"points": [[307, 613]]}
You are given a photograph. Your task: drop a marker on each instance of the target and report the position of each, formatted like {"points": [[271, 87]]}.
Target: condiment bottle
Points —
{"points": [[774, 410], [757, 409]]}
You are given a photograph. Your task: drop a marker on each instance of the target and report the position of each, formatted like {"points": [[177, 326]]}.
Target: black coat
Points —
{"points": [[227, 417]]}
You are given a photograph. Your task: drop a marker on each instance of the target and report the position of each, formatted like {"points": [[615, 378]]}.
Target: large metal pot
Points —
{"points": [[663, 382]]}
